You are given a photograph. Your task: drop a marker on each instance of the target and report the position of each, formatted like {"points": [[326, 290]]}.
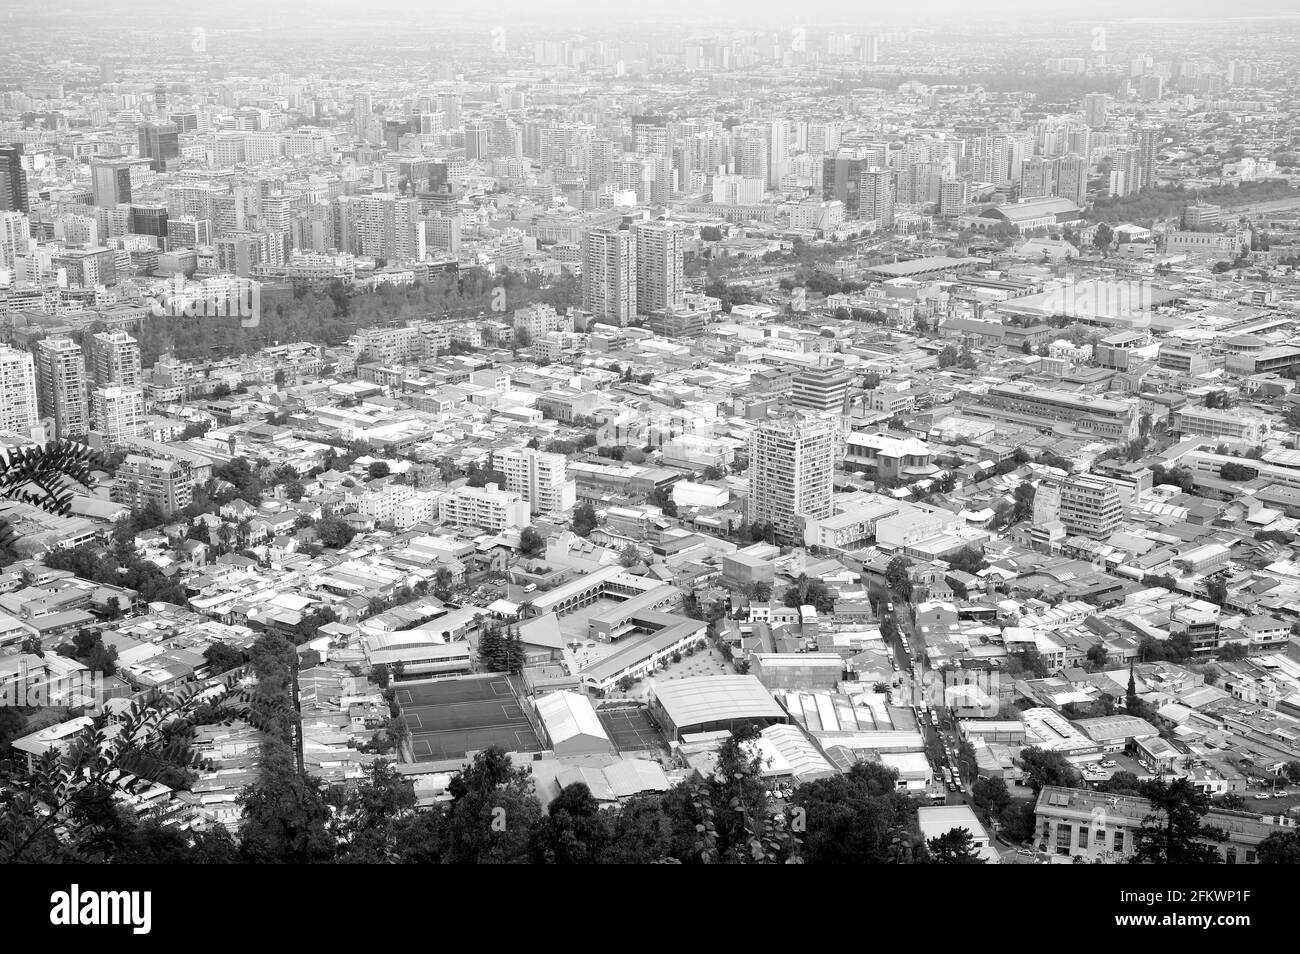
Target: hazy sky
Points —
{"points": [[594, 13]]}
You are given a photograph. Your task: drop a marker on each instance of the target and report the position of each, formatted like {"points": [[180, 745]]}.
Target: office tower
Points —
{"points": [[609, 276], [188, 232], [61, 386], [148, 220], [160, 144], [116, 413], [477, 139], [841, 177], [114, 359], [110, 182], [1151, 87], [13, 180], [877, 197], [18, 402], [659, 258], [821, 388], [539, 477], [1072, 179], [1148, 145], [1089, 506], [1094, 110], [791, 474]]}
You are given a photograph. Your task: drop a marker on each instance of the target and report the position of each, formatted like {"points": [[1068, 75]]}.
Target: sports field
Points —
{"points": [[449, 717]]}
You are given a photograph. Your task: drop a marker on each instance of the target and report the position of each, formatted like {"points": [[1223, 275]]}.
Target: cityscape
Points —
{"points": [[657, 435]]}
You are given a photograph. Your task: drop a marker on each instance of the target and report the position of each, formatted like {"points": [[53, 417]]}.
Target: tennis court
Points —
{"points": [[631, 729], [448, 718]]}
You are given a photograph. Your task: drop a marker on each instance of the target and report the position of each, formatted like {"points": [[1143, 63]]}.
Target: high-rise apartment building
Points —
{"points": [[791, 474], [877, 197], [18, 402], [385, 226], [659, 257], [116, 413], [61, 386], [1089, 506], [114, 359], [539, 477], [141, 481], [1095, 107], [609, 275]]}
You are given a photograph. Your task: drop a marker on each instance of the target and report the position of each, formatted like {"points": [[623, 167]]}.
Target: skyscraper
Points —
{"points": [[160, 144], [110, 182], [609, 276], [18, 404], [778, 151], [114, 359], [13, 180], [1148, 144], [1094, 110], [791, 474], [877, 197], [1072, 179], [658, 267], [61, 386]]}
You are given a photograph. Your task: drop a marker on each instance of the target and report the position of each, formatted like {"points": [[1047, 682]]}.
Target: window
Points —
{"points": [[1064, 835], [1083, 837]]}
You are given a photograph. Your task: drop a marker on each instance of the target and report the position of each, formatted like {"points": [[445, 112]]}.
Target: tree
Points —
{"points": [[222, 658], [1216, 590], [1043, 767], [949, 356], [584, 519], [859, 817], [45, 476], [990, 797], [492, 813], [1280, 848], [334, 533], [1103, 237], [898, 579], [629, 556], [807, 591], [574, 831], [293, 489], [1097, 655], [531, 543], [954, 847], [377, 469], [1172, 832]]}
